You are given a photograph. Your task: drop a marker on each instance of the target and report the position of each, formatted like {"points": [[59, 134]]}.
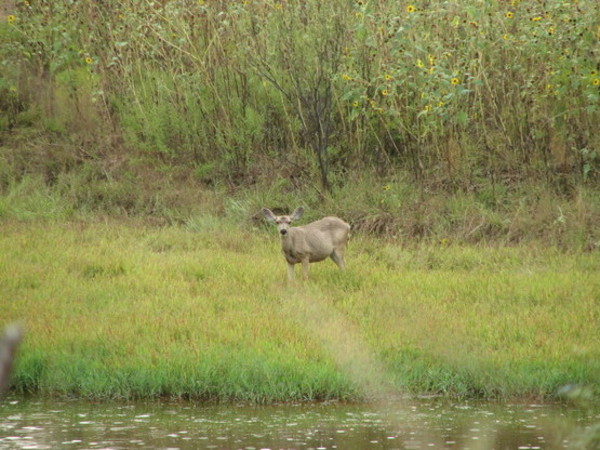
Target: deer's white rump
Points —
{"points": [[325, 238]]}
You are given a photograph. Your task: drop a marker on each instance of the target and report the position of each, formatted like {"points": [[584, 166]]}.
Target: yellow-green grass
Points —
{"points": [[204, 311]]}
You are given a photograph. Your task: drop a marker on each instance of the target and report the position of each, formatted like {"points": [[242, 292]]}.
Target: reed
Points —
{"points": [[458, 94]]}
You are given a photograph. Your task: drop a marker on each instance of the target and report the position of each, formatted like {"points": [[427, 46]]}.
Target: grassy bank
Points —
{"points": [[202, 310], [139, 139]]}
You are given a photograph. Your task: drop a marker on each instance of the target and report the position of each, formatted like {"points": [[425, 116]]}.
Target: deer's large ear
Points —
{"points": [[297, 213], [268, 214]]}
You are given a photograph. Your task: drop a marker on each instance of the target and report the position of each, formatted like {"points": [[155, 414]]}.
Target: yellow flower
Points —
{"points": [[431, 59], [387, 77], [385, 92], [506, 36], [346, 77], [444, 241], [551, 30], [427, 108], [278, 6], [10, 18], [89, 60], [440, 104], [411, 9], [355, 104], [201, 2], [508, 14], [454, 81], [420, 63], [596, 81], [387, 187], [536, 19], [431, 69]]}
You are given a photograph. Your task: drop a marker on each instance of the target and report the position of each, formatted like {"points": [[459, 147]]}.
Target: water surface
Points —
{"points": [[397, 423]]}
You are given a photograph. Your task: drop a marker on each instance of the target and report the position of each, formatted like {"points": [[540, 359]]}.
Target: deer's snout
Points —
{"points": [[283, 231]]}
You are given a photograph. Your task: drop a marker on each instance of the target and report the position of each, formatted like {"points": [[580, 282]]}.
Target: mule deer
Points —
{"points": [[325, 238]]}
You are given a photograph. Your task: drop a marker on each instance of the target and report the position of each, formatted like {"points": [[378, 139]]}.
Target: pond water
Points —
{"points": [[396, 423]]}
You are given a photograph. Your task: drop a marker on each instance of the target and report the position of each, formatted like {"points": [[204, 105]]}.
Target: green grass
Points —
{"points": [[203, 311]]}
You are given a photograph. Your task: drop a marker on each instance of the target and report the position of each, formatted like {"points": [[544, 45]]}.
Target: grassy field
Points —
{"points": [[202, 310]]}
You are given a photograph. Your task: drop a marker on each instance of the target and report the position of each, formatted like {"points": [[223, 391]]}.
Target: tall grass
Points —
{"points": [[203, 311], [392, 208], [458, 93]]}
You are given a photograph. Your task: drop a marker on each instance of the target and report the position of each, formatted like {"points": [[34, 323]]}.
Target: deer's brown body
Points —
{"points": [[319, 240]]}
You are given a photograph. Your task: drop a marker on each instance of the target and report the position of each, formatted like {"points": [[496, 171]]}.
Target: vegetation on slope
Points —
{"points": [[458, 138]]}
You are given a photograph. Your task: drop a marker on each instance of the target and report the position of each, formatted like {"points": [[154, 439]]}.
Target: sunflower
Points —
{"points": [[89, 60], [508, 14], [411, 9], [10, 18], [596, 81], [454, 81]]}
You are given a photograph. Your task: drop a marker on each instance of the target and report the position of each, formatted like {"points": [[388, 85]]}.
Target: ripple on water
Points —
{"points": [[413, 424]]}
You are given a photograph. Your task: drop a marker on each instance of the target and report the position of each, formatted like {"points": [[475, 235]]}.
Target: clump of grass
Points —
{"points": [[129, 311], [394, 208]]}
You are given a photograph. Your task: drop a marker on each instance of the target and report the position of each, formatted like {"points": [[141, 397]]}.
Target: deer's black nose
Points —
{"points": [[283, 231]]}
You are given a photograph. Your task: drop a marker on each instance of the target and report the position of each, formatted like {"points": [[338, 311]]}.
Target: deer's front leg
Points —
{"points": [[290, 271], [305, 264]]}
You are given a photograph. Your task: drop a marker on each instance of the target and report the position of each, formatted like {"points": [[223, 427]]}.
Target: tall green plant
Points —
{"points": [[297, 51], [458, 92]]}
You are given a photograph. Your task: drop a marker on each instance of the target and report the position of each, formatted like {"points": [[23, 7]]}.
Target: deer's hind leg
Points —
{"points": [[338, 257]]}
